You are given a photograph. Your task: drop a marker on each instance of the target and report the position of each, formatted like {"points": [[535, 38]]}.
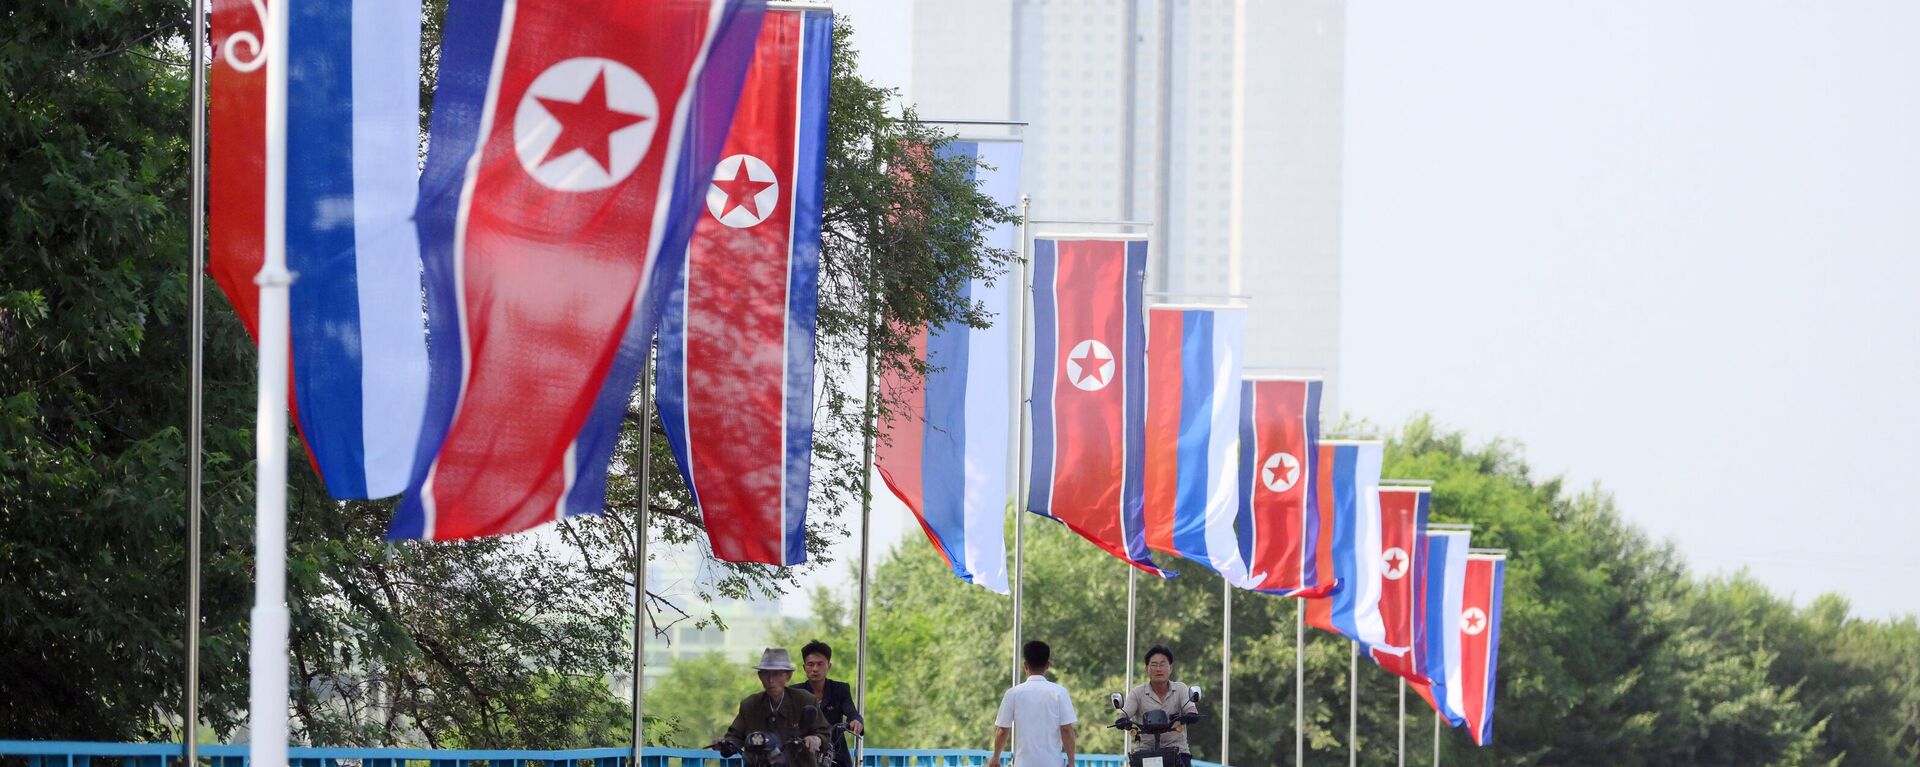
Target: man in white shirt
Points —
{"points": [[1038, 713]]}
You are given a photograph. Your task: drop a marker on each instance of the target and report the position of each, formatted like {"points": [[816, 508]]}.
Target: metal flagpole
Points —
{"points": [[267, 704], [1020, 433], [640, 559], [1436, 739], [866, 513], [1353, 705], [1299, 682], [1133, 576], [1226, 666], [1403, 723], [197, 242]]}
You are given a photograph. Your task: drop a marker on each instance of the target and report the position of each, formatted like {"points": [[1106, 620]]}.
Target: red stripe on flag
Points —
{"points": [[1398, 511], [1090, 391], [736, 317], [1280, 482], [1476, 605], [1324, 512], [1165, 382], [899, 454], [549, 276]]}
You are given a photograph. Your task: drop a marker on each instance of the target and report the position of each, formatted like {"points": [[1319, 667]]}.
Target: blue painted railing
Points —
{"points": [[38, 753]]}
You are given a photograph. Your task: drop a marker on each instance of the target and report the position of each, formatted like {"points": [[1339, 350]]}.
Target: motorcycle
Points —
{"points": [[768, 749], [1156, 723]]}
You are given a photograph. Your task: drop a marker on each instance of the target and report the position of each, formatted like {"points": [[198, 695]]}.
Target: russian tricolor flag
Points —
{"points": [[1438, 650], [1089, 393], [572, 147], [737, 336], [1352, 607], [944, 449], [1193, 435], [359, 367]]}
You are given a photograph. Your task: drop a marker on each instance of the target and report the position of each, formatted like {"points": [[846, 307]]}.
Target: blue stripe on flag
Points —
{"points": [[1346, 516], [469, 37], [325, 301], [1133, 487], [943, 447], [1495, 604], [803, 287], [1310, 474], [1046, 263], [1244, 524], [1196, 435]]}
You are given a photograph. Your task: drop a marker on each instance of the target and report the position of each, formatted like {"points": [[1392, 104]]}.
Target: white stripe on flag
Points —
{"points": [[1223, 448], [1366, 605], [987, 441], [393, 341]]}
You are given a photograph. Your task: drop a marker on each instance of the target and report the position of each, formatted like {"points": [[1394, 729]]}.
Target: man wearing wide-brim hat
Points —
{"points": [[781, 711]]}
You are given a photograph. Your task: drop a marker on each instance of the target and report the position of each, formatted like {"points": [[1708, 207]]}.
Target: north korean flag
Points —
{"points": [[1403, 525], [1480, 600], [1089, 393], [1279, 438], [737, 336], [571, 147]]}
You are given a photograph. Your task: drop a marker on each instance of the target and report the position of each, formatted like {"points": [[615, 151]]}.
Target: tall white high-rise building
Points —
{"points": [[1253, 181]]}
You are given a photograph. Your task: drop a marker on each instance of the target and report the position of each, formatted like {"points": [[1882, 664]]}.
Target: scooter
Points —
{"points": [[767, 749], [1155, 723]]}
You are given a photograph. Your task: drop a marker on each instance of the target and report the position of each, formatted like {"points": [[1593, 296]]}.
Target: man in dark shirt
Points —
{"points": [[836, 698], [780, 710]]}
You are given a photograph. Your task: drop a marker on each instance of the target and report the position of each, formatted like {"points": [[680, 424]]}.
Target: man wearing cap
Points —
{"points": [[780, 710]]}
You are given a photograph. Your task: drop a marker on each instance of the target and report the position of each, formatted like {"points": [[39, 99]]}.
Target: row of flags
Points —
{"points": [[595, 171], [599, 171], [1148, 437]]}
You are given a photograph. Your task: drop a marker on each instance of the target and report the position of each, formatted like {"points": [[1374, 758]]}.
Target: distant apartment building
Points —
{"points": [[1084, 75]]}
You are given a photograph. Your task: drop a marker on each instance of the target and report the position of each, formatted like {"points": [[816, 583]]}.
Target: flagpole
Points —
{"points": [[1353, 705], [1403, 723], [1020, 433], [267, 704], [868, 435], [1133, 576], [1299, 682], [197, 242], [640, 559], [1226, 666], [1436, 739]]}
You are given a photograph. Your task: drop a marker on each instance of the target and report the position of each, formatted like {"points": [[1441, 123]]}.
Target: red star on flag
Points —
{"points": [[1089, 366], [586, 124], [1473, 622], [741, 191], [1393, 561]]}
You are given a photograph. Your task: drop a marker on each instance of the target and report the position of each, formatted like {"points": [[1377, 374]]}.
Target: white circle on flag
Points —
{"points": [[585, 124], [1090, 366], [1280, 472], [1473, 621], [1394, 562], [744, 191]]}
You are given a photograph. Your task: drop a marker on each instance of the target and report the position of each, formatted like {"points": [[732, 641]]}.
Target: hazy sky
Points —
{"points": [[1671, 248]]}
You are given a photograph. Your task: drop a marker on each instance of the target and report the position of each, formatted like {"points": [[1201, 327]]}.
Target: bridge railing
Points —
{"points": [[37, 753]]}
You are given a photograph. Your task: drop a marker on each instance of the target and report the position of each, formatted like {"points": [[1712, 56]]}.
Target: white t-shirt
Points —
{"points": [[1036, 709]]}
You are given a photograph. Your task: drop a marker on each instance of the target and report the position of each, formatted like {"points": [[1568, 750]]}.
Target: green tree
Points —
{"points": [[700, 695]]}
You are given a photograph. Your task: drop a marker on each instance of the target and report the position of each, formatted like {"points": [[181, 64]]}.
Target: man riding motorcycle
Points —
{"points": [[791, 715]]}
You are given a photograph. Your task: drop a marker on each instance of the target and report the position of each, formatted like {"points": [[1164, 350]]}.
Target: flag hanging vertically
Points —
{"points": [[1403, 527], [944, 451], [1279, 434], [1352, 607], [359, 362], [737, 334], [1483, 589], [1438, 650], [1089, 397], [1192, 433], [572, 144]]}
